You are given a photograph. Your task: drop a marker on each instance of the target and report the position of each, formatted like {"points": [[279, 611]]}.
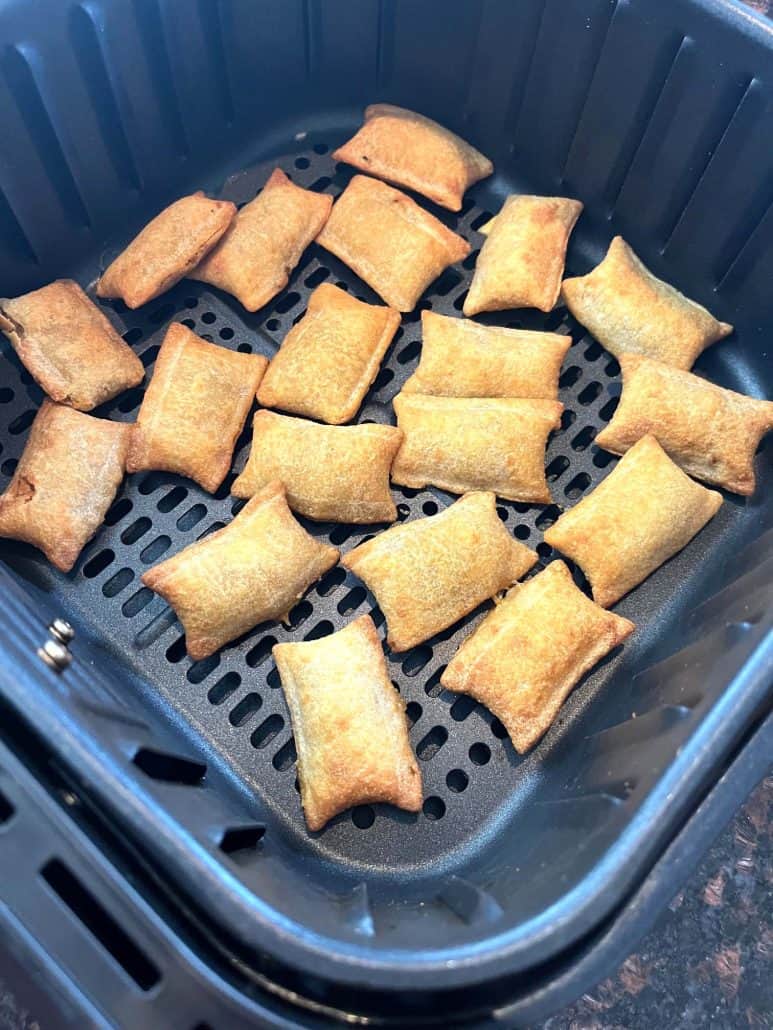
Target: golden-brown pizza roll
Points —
{"points": [[329, 359], [194, 408], [461, 444], [628, 310], [167, 249], [254, 569], [349, 724], [526, 656], [330, 473], [466, 359], [642, 514], [66, 479], [265, 241], [413, 151], [68, 346], [396, 246], [428, 574], [521, 263], [709, 432]]}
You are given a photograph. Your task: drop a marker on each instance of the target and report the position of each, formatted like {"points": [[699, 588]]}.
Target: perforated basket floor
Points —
{"points": [[474, 782]]}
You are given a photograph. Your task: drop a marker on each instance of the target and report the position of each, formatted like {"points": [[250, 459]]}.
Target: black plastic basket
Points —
{"points": [[502, 897]]}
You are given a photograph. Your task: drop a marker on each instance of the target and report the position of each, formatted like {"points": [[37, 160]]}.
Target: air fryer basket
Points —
{"points": [[659, 118]]}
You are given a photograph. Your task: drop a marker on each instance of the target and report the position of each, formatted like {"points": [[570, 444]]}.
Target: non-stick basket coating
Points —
{"points": [[659, 120]]}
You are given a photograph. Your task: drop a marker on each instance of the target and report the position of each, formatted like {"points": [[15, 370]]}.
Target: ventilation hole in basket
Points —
{"points": [[570, 377], [544, 551], [469, 261], [224, 687], [241, 842], [321, 148], [432, 687], [94, 918], [130, 400], [413, 712], [149, 355], [448, 281], [265, 733], [589, 394], [349, 602], [577, 486], [429, 508], [209, 317], [321, 183], [602, 458], [408, 491], [612, 368], [480, 754], [6, 809], [245, 709], [409, 352], [403, 511], [132, 336], [133, 605], [151, 482], [199, 671], [260, 652], [300, 614], [98, 563], [285, 756], [237, 505], [462, 707], [6, 394], [592, 351], [480, 220], [553, 320], [434, 808], [118, 511], [161, 314], [323, 629], [288, 301], [160, 765], [155, 549], [503, 513], [417, 659], [331, 580], [546, 518], [272, 325], [363, 817], [176, 650], [22, 422], [459, 301], [191, 517], [226, 333], [567, 419], [302, 162], [9, 466], [431, 743], [498, 729], [384, 378], [172, 499], [273, 679], [607, 410], [137, 529], [212, 528], [522, 532], [341, 534], [188, 323], [317, 276], [191, 302], [457, 781], [117, 583], [584, 438], [155, 628]]}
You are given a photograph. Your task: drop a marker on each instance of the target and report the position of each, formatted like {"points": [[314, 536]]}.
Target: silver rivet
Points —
{"points": [[55, 655], [61, 630]]}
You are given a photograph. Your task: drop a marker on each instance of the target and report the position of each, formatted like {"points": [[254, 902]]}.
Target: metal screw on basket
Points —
{"points": [[55, 655], [62, 631]]}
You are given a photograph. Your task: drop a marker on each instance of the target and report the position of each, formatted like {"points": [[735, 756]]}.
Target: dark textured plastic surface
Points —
{"points": [[512, 859]]}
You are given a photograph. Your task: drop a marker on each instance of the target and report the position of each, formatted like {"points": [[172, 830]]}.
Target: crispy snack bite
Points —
{"points": [[396, 246], [710, 432], [194, 408], [461, 444], [521, 263], [331, 473], [254, 569], [642, 514], [167, 249], [413, 151], [466, 359], [628, 310], [259, 250], [68, 346], [66, 479], [428, 574], [349, 724], [527, 655], [329, 359]]}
